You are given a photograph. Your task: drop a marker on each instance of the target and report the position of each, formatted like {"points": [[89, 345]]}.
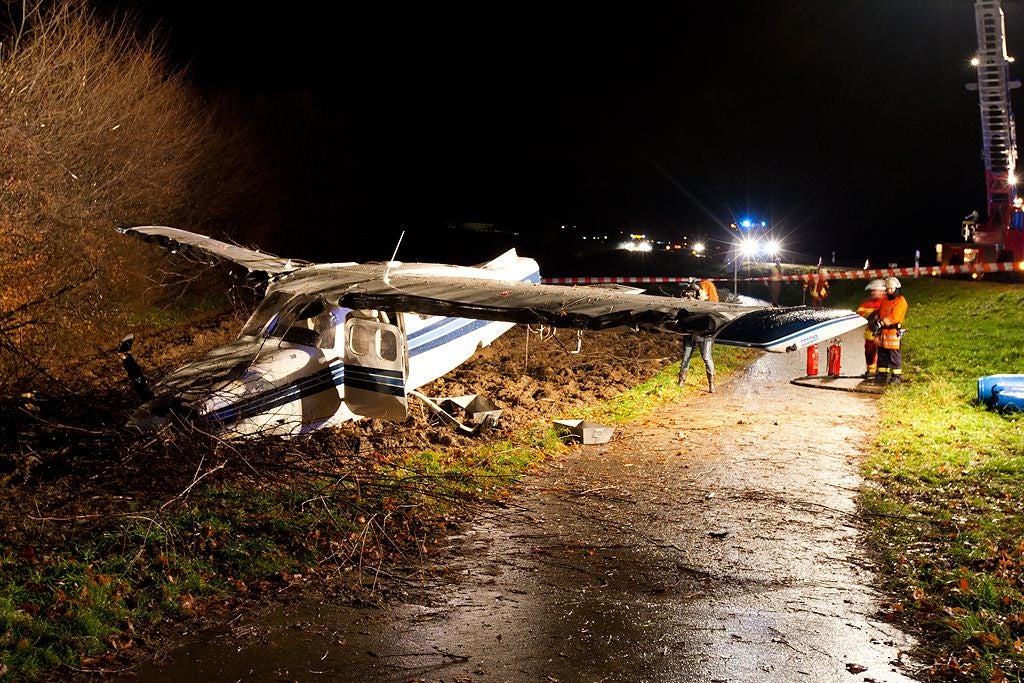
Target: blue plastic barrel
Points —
{"points": [[1004, 392], [1009, 400]]}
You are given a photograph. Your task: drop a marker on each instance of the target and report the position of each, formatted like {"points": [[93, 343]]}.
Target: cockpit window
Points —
{"points": [[303, 320], [268, 309]]}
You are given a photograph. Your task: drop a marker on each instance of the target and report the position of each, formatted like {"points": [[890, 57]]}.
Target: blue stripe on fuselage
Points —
{"points": [[383, 381], [322, 380]]}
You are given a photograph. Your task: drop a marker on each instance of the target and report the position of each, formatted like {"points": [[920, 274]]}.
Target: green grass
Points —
{"points": [[642, 399], [945, 501], [946, 494]]}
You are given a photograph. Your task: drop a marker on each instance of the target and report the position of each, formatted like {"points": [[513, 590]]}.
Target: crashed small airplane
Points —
{"points": [[334, 342]]}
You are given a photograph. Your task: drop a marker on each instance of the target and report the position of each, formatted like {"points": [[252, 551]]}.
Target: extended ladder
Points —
{"points": [[999, 138]]}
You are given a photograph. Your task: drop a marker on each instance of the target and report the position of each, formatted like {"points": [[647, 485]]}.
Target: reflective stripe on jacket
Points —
{"points": [[819, 287], [891, 313]]}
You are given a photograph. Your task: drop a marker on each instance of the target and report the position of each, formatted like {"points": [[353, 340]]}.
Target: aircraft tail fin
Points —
{"points": [[503, 261]]}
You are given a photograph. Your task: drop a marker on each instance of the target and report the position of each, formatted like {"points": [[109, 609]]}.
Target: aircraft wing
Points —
{"points": [[588, 308], [366, 286], [256, 263]]}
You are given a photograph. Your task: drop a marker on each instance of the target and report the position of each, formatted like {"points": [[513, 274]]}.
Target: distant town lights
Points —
{"points": [[633, 245]]}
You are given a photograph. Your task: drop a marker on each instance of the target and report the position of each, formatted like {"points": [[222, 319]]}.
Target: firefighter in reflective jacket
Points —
{"points": [[889, 328], [817, 286], [869, 309], [708, 291]]}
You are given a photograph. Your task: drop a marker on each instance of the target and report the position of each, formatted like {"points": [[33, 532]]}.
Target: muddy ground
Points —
{"points": [[715, 541]]}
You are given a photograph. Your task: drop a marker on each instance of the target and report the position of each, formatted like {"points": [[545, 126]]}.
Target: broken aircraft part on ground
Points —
{"points": [[447, 411], [332, 342], [583, 431], [474, 407]]}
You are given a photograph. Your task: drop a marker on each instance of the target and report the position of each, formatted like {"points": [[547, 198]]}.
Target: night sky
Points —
{"points": [[845, 124]]}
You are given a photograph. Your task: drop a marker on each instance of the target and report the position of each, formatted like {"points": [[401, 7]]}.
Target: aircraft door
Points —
{"points": [[375, 369]]}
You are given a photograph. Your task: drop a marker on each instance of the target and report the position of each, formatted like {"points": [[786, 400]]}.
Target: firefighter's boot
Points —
{"points": [[682, 376], [711, 383]]}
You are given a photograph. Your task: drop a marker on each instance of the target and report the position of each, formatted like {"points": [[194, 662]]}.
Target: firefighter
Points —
{"points": [[889, 328], [869, 309], [704, 291], [817, 285], [708, 290], [775, 282]]}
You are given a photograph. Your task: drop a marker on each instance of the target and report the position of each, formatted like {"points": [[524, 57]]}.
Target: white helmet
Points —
{"points": [[875, 285], [892, 283]]}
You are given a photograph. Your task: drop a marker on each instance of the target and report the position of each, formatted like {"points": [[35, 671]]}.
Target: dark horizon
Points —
{"points": [[846, 125]]}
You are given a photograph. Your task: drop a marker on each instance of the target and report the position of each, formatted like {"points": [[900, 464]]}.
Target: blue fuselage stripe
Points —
{"points": [[326, 379], [467, 326], [390, 382]]}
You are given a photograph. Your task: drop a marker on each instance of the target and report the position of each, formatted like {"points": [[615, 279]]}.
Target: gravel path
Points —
{"points": [[715, 541]]}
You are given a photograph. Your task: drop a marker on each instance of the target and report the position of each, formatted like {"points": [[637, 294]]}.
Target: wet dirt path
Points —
{"points": [[716, 541]]}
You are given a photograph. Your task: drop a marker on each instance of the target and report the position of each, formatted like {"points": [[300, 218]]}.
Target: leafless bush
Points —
{"points": [[96, 131]]}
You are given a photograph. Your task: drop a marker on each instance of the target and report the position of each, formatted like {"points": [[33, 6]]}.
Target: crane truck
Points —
{"points": [[999, 237]]}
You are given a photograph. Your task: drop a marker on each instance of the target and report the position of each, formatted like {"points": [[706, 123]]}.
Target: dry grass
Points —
{"points": [[96, 131]]}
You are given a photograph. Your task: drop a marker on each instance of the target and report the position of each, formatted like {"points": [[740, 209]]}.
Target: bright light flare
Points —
{"points": [[1011, 179], [975, 61], [772, 247], [748, 247], [698, 247]]}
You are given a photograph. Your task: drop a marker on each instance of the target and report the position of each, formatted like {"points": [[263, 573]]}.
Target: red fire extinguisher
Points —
{"points": [[833, 355], [812, 360]]}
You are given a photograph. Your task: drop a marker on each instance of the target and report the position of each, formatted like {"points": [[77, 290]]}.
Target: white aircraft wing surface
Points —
{"points": [[592, 308], [455, 291], [175, 240]]}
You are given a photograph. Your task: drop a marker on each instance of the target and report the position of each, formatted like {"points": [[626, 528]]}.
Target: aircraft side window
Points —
{"points": [[359, 340], [387, 345]]}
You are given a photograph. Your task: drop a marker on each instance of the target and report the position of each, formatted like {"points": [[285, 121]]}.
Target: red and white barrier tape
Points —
{"points": [[866, 274]]}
